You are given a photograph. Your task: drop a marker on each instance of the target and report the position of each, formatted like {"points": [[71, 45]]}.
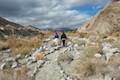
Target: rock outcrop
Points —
{"points": [[105, 21]]}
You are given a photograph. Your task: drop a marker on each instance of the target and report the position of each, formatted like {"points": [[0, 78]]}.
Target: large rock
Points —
{"points": [[50, 71], [108, 51], [9, 63]]}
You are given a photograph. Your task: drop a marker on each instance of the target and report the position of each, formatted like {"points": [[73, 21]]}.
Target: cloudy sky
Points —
{"points": [[50, 13]]}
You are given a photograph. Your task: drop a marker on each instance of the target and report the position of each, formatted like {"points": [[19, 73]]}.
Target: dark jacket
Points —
{"points": [[63, 36]]}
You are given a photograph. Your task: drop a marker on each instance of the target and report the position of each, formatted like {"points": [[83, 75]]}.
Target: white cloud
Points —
{"points": [[86, 1], [50, 13]]}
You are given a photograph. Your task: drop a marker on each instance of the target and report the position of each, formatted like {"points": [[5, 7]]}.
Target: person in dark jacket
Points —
{"points": [[63, 38]]}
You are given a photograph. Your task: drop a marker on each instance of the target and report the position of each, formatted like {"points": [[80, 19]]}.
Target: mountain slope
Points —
{"points": [[8, 28], [106, 21]]}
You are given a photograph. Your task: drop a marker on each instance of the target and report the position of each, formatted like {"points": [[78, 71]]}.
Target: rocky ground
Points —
{"points": [[59, 63]]}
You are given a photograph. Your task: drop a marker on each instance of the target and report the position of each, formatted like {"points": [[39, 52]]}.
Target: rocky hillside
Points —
{"points": [[106, 21], [8, 28], [81, 59]]}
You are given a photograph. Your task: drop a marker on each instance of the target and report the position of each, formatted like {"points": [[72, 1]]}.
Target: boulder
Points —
{"points": [[108, 51]]}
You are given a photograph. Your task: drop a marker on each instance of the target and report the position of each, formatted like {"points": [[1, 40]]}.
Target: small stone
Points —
{"points": [[98, 55], [2, 67], [40, 62], [9, 59], [63, 79], [18, 56], [52, 50], [14, 65], [68, 78], [22, 61], [57, 47], [46, 52], [35, 70], [61, 71]]}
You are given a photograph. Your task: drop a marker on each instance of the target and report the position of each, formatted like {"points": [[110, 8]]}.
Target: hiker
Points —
{"points": [[63, 38], [56, 39]]}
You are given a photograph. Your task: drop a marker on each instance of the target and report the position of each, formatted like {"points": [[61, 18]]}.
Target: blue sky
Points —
{"points": [[89, 9], [50, 13]]}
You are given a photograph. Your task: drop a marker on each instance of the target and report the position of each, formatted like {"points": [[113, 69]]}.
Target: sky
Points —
{"points": [[50, 13]]}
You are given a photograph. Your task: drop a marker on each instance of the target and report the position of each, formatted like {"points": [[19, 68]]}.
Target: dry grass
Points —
{"points": [[114, 41], [115, 61], [23, 45], [116, 34], [3, 45], [88, 65], [19, 74], [83, 35], [89, 52]]}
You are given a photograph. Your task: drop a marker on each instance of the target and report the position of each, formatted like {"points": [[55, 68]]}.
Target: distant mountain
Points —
{"points": [[8, 28], [65, 29], [106, 21], [4, 22]]}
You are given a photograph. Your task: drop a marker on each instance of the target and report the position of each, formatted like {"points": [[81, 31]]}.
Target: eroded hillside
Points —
{"points": [[106, 21]]}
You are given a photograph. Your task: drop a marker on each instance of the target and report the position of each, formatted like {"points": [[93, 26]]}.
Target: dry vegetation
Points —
{"points": [[80, 34], [88, 65], [18, 74], [89, 52], [22, 45]]}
